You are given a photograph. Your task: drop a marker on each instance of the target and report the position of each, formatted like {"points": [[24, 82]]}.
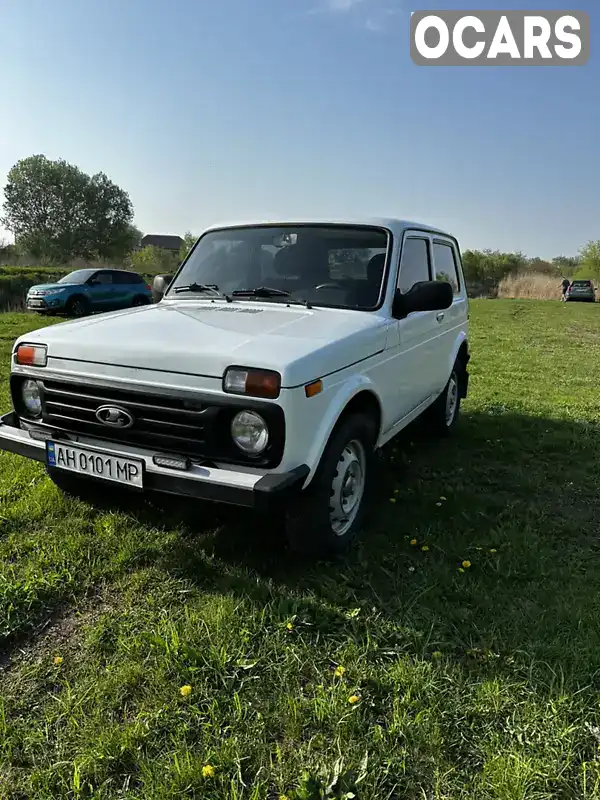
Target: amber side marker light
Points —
{"points": [[311, 389], [31, 355]]}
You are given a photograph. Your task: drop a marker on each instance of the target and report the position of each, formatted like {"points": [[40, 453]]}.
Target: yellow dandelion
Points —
{"points": [[493, 550], [58, 660], [354, 698], [466, 564], [339, 671], [436, 654], [289, 626], [425, 548], [186, 690], [413, 542], [208, 771]]}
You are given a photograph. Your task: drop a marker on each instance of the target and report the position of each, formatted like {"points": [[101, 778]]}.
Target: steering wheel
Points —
{"points": [[331, 285]]}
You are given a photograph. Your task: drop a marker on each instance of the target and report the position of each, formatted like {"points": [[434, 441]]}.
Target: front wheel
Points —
{"points": [[77, 307], [327, 517]]}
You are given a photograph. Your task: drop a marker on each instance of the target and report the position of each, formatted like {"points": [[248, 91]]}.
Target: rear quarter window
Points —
{"points": [[445, 265]]}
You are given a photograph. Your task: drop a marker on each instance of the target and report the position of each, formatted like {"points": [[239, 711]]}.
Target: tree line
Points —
{"points": [[57, 214]]}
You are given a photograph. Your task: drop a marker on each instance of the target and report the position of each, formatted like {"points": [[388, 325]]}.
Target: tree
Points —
{"points": [[589, 266], [566, 265], [153, 259], [57, 211], [189, 240]]}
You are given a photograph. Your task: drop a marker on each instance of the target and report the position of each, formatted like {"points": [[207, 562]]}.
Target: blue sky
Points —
{"points": [[207, 111]]}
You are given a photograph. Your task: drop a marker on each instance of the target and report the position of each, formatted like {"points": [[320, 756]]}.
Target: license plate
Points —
{"points": [[106, 466], [35, 303]]}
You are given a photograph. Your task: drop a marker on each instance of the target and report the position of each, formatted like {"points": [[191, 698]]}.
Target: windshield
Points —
{"points": [[582, 284], [338, 266], [79, 276]]}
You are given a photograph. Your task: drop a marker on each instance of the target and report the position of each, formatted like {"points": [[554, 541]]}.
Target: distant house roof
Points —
{"points": [[164, 242]]}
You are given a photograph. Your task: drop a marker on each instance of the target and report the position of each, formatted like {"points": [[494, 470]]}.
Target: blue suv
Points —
{"points": [[87, 290]]}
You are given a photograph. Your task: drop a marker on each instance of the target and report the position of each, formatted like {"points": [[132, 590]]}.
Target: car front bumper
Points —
{"points": [[262, 492], [42, 304]]}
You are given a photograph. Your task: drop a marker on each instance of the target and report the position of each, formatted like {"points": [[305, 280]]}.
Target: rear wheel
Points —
{"points": [[327, 517], [77, 307], [442, 416]]}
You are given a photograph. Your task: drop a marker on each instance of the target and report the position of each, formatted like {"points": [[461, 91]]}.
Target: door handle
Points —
{"points": [[440, 316]]}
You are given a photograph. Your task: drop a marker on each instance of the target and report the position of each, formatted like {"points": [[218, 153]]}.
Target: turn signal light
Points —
{"points": [[32, 355], [253, 382], [311, 389]]}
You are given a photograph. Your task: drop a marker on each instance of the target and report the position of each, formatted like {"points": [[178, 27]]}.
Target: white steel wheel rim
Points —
{"points": [[348, 487], [451, 399]]}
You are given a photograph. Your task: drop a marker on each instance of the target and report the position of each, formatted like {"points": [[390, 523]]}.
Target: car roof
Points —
{"points": [[395, 225]]}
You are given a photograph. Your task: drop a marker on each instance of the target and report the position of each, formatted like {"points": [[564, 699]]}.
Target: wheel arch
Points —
{"points": [[460, 353], [358, 398]]}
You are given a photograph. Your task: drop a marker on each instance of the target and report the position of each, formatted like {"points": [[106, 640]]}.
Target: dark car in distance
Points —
{"points": [[85, 291], [582, 291]]}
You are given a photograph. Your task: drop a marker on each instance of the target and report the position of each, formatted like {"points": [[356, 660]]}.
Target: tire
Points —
{"points": [[140, 300], [313, 524], [442, 415], [77, 307]]}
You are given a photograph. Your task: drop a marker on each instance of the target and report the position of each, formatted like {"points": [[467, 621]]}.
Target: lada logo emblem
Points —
{"points": [[114, 417]]}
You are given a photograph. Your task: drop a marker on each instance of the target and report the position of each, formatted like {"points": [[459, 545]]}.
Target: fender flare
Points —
{"points": [[460, 340], [338, 404]]}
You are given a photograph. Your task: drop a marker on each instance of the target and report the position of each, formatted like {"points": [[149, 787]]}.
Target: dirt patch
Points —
{"points": [[58, 631]]}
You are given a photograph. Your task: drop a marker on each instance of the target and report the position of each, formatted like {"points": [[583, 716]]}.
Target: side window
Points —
{"points": [[103, 277], [128, 278], [414, 263], [445, 265]]}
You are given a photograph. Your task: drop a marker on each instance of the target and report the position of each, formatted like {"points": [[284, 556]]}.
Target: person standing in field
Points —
{"points": [[565, 286]]}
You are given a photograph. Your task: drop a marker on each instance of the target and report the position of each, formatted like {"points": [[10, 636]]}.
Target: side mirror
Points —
{"points": [[424, 296], [160, 284]]}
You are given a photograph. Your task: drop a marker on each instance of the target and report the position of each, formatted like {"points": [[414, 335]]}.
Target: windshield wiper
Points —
{"points": [[260, 291], [202, 287]]}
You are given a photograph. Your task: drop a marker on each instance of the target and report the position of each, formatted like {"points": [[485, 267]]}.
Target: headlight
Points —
{"points": [[250, 432], [30, 392]]}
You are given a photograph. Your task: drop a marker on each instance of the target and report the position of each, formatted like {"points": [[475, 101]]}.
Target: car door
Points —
{"points": [[451, 320], [122, 289], [414, 339], [100, 290]]}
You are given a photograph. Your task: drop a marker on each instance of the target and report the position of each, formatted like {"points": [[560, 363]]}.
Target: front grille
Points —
{"points": [[163, 423], [199, 428]]}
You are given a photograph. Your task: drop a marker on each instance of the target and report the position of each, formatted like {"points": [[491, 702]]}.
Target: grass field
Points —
{"points": [[396, 673]]}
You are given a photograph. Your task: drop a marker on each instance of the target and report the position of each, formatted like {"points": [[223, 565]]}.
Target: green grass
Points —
{"points": [[482, 684]]}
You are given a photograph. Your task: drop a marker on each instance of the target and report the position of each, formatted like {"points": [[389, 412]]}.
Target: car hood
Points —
{"points": [[204, 338], [45, 287]]}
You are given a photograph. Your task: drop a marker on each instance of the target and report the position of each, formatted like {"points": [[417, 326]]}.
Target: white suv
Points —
{"points": [[281, 356]]}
